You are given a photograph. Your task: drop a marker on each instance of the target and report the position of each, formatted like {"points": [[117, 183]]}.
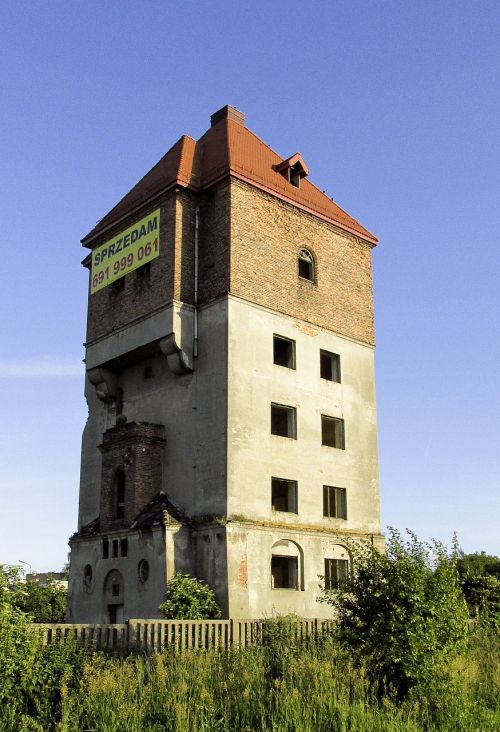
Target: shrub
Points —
{"points": [[188, 598], [480, 580], [401, 614]]}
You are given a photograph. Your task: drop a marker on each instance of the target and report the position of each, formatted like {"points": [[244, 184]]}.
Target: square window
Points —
{"points": [[329, 366], [334, 502], [283, 352], [332, 432], [336, 573], [117, 286], [284, 495], [283, 421], [284, 572]]}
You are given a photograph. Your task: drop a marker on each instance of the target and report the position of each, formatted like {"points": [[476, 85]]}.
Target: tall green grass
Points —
{"points": [[281, 686]]}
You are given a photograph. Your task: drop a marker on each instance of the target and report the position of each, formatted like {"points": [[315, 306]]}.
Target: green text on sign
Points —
{"points": [[127, 251]]}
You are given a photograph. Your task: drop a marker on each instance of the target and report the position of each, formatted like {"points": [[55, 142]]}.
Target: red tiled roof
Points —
{"points": [[228, 148]]}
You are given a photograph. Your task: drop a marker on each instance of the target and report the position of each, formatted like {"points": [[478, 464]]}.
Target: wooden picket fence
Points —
{"points": [[181, 635]]}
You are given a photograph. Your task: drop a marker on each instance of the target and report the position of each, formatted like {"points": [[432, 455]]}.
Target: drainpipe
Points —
{"points": [[196, 235]]}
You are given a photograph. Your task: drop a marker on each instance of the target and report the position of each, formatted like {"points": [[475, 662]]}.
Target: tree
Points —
{"points": [[188, 598], [480, 580], [45, 604], [401, 614]]}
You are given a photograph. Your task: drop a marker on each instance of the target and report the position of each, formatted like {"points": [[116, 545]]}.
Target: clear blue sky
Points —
{"points": [[395, 108]]}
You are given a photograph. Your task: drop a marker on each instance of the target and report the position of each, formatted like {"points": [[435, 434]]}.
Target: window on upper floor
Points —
{"points": [[329, 364], [119, 494], [332, 432], [336, 573], [283, 352], [115, 545], [284, 421], [123, 547], [306, 265], [117, 286], [105, 549], [334, 502], [284, 495]]}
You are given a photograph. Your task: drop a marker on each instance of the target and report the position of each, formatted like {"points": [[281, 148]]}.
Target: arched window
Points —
{"points": [[287, 566], [306, 265], [119, 494], [87, 576]]}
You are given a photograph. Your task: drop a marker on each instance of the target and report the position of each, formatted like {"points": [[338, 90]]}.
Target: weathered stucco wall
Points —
{"points": [[255, 455]]}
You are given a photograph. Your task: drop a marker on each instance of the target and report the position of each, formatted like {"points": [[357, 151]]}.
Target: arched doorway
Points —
{"points": [[114, 597]]}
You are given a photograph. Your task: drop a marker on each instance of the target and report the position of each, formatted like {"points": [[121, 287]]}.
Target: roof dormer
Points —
{"points": [[293, 169]]}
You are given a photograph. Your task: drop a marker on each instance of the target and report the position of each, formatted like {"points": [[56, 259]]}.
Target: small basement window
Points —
{"points": [[284, 495], [283, 352], [283, 421], [334, 502], [284, 572], [332, 432], [329, 366], [336, 573], [306, 265]]}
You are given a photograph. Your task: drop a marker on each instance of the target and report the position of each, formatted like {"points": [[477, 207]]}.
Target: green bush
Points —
{"points": [[188, 598], [401, 613], [480, 581]]}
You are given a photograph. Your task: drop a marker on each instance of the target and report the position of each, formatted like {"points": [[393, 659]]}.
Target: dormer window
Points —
{"points": [[306, 265], [293, 169]]}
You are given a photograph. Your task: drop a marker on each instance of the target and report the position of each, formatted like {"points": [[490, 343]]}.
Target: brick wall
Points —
{"points": [[137, 449], [266, 235], [214, 244], [108, 309]]}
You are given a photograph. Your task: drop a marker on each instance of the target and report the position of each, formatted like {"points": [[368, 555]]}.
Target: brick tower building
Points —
{"points": [[230, 384]]}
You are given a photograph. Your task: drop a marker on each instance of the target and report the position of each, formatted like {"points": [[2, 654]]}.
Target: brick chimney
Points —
{"points": [[228, 112]]}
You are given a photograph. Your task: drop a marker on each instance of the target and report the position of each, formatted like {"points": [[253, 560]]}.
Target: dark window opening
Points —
{"points": [[329, 366], [283, 421], [283, 352], [117, 286], [334, 502], [115, 589], [306, 265], [284, 495], [332, 432], [143, 273], [123, 547], [284, 572], [115, 548], [120, 493], [294, 177], [143, 570], [87, 575], [336, 573], [148, 372], [105, 549]]}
